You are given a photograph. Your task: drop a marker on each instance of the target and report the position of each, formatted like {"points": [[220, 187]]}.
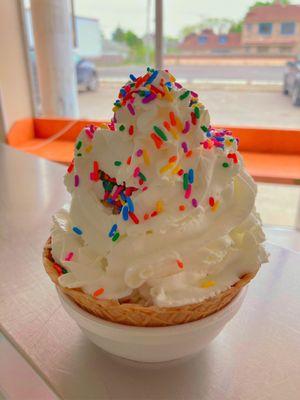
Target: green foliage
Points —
{"points": [[218, 25], [118, 35], [268, 3], [138, 51], [132, 40], [236, 27]]}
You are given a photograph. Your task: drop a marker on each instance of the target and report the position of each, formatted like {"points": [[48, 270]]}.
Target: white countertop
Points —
{"points": [[256, 357]]}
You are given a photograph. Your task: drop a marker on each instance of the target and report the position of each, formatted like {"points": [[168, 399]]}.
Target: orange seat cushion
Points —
{"points": [[58, 150], [273, 167]]}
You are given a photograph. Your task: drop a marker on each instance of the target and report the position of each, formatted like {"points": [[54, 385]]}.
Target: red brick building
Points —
{"points": [[272, 30], [208, 42]]}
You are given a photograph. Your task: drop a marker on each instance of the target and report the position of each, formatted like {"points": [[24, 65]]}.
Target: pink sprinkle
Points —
{"points": [[93, 128], [194, 203], [139, 153], [131, 109], [89, 133], [136, 172], [76, 180], [186, 127], [69, 256], [194, 94], [184, 146], [114, 119], [111, 126], [188, 191], [118, 190], [149, 98], [178, 85]]}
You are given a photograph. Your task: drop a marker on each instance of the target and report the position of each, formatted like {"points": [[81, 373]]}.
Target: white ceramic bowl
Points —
{"points": [[152, 344]]}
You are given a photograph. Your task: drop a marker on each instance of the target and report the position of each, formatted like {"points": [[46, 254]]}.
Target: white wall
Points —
{"points": [[15, 93]]}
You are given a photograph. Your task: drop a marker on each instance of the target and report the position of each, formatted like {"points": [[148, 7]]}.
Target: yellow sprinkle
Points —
{"points": [[207, 284], [89, 148], [146, 157], [172, 78], [174, 134], [166, 168], [159, 206], [168, 95], [215, 206], [104, 126], [179, 124], [228, 142], [176, 169], [115, 108]]}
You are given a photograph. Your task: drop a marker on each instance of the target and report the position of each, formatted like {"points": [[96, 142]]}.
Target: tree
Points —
{"points": [[236, 27], [118, 35], [268, 3], [132, 40], [218, 25]]}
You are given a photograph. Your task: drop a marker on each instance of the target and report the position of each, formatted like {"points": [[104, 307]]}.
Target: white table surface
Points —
{"points": [[256, 357]]}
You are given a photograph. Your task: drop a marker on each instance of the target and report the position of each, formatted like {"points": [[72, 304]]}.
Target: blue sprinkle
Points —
{"points": [[123, 197], [77, 230], [130, 204], [125, 213], [208, 134], [152, 77], [191, 175], [111, 201], [219, 139], [123, 91], [113, 230], [132, 77], [169, 84]]}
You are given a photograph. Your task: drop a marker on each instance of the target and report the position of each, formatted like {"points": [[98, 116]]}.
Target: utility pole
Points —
{"points": [[159, 34]]}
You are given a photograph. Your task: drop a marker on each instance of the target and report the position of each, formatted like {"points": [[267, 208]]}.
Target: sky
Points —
{"points": [[131, 14]]}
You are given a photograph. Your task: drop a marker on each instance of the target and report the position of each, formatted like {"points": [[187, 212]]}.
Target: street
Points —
{"points": [[255, 107], [191, 73]]}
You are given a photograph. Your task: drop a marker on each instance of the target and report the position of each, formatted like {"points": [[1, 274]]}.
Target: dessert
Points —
{"points": [[162, 227]]}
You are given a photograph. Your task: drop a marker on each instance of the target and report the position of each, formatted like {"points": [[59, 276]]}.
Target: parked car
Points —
{"points": [[87, 75], [291, 81]]}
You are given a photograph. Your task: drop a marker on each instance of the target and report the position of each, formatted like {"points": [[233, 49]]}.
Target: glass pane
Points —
{"points": [[123, 44], [234, 56]]}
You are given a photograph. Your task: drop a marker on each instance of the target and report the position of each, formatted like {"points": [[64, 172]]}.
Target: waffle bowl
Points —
{"points": [[130, 312]]}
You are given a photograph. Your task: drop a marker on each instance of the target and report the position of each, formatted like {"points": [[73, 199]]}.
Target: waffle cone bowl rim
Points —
{"points": [[139, 315]]}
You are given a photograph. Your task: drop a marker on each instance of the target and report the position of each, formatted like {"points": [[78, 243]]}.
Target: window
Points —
{"points": [[263, 49], [249, 27], [287, 28], [285, 50], [223, 39], [202, 39], [265, 28]]}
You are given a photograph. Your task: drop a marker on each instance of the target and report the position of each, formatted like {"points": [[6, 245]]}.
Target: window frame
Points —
{"points": [[265, 24], [221, 39], [287, 23], [202, 37]]}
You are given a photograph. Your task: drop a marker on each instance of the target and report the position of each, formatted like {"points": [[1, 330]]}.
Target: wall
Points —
{"points": [[14, 79], [248, 37]]}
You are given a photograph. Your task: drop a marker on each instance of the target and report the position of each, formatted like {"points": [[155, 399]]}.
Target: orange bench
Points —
{"points": [[271, 155]]}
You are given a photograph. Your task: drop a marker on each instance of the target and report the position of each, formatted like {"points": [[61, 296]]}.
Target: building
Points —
{"points": [[207, 42], [272, 30], [89, 42]]}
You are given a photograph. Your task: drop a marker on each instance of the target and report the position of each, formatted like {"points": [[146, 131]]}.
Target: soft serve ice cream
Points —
{"points": [[161, 204]]}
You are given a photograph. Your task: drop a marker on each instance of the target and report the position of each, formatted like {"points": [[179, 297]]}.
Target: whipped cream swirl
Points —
{"points": [[161, 204]]}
